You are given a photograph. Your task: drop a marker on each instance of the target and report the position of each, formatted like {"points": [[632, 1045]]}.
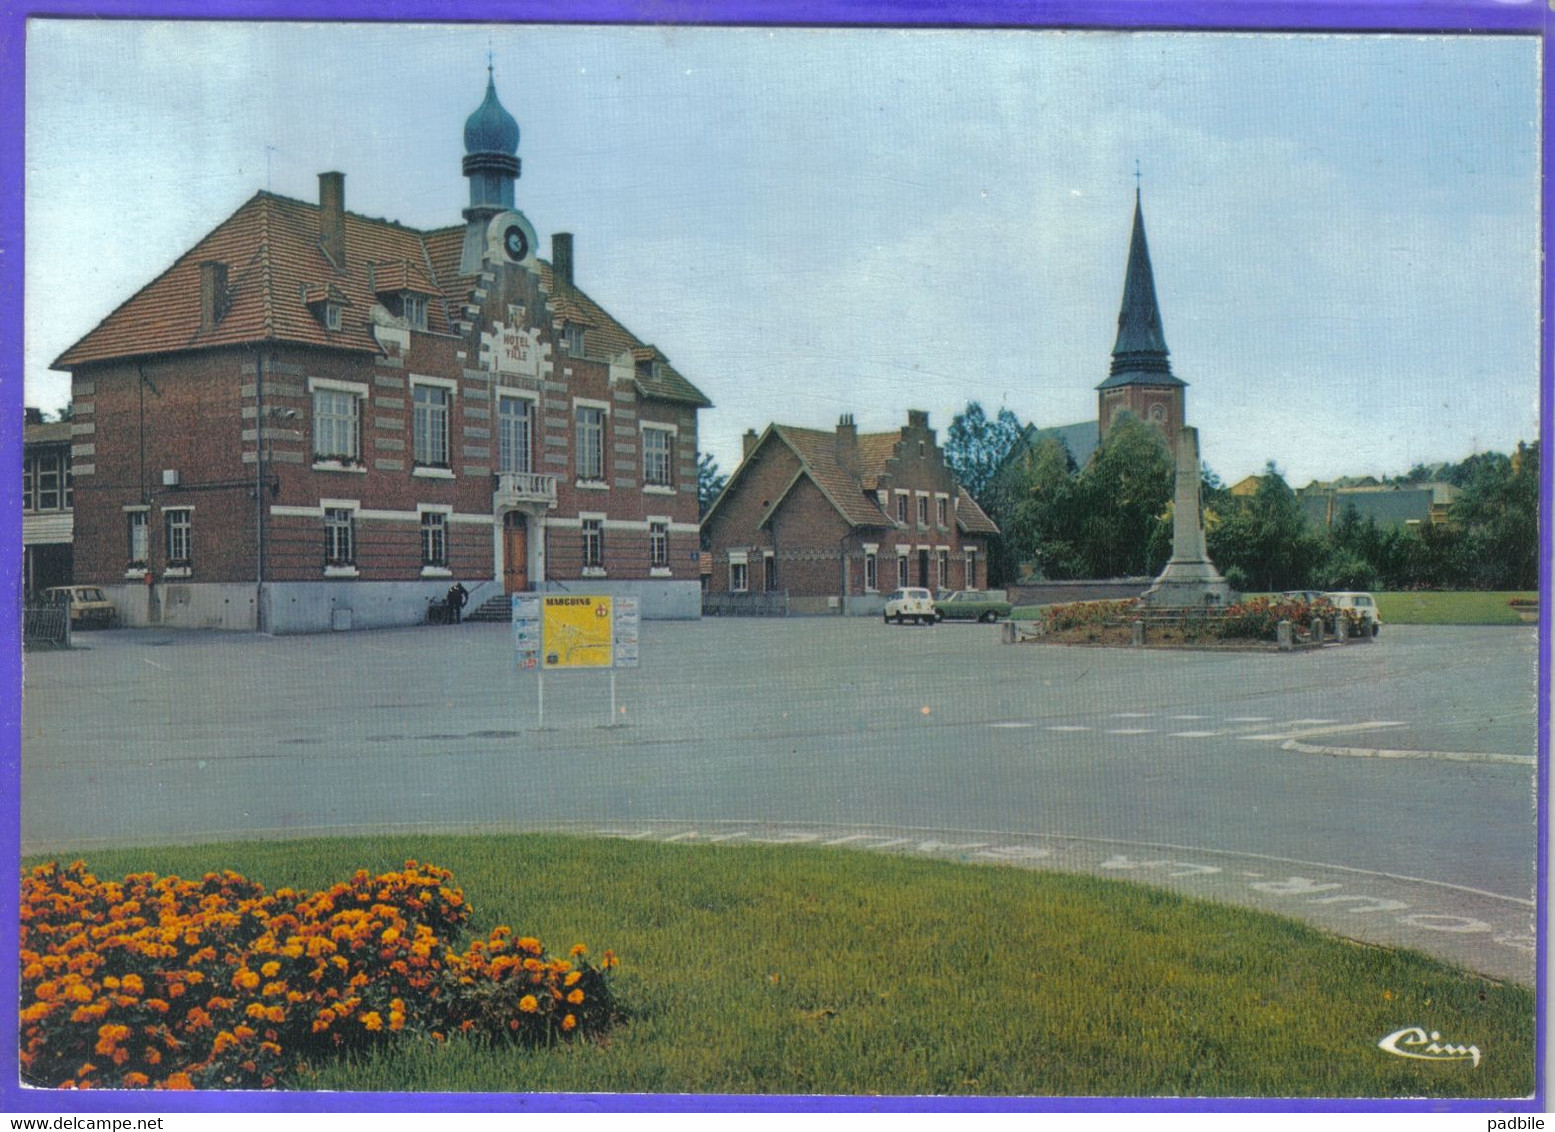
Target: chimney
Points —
{"points": [[561, 259], [332, 217], [749, 440], [917, 418], [32, 416], [213, 294], [847, 442]]}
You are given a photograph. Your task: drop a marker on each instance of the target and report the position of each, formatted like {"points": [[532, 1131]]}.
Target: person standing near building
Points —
{"points": [[456, 597]]}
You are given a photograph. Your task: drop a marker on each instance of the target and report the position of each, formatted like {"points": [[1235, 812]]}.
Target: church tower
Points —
{"points": [[1141, 381]]}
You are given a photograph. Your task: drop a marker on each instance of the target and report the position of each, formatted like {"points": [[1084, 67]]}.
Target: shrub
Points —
{"points": [[1259, 618], [1085, 614], [174, 984]]}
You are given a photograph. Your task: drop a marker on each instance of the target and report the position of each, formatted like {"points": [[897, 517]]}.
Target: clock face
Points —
{"points": [[515, 243]]}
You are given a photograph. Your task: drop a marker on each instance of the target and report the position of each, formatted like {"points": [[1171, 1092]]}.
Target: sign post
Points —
{"points": [[575, 631]]}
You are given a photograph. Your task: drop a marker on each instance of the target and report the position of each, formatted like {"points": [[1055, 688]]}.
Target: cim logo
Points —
{"points": [[1416, 1043]]}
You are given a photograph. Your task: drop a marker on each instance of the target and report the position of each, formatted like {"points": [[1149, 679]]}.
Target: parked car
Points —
{"points": [[1363, 604], [910, 605], [87, 604], [1305, 596], [971, 605]]}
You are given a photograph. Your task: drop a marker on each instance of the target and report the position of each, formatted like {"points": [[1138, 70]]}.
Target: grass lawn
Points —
{"points": [[1464, 607], [792, 970]]}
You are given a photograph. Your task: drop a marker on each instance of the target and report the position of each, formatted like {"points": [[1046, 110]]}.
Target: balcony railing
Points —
{"points": [[525, 487]]}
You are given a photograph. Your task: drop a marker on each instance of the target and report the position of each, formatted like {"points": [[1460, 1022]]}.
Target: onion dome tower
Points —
{"points": [[491, 163]]}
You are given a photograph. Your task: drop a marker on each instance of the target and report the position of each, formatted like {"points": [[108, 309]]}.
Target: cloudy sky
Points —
{"points": [[1344, 229]]}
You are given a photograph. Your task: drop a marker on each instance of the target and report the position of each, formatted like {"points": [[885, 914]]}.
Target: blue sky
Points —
{"points": [[1344, 229]]}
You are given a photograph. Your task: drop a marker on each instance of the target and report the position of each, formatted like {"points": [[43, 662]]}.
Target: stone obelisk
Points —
{"points": [[1190, 580]]}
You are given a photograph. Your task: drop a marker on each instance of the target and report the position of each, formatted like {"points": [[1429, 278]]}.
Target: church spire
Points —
{"points": [[1141, 344]]}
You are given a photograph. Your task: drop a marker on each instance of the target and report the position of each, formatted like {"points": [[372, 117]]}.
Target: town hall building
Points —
{"points": [[315, 419]]}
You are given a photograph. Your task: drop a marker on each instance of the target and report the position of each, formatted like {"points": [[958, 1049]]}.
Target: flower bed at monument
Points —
{"points": [[1252, 624], [160, 982]]}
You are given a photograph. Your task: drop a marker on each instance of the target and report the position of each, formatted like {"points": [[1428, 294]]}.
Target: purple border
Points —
{"points": [[1503, 16]]}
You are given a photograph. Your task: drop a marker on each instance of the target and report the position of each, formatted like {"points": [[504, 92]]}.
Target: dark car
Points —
{"points": [[972, 605]]}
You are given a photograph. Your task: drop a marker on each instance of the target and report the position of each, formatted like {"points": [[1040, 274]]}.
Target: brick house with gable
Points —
{"points": [[317, 419], [838, 520]]}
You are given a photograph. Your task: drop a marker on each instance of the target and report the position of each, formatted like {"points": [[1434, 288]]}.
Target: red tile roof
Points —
{"points": [[276, 269], [971, 518]]}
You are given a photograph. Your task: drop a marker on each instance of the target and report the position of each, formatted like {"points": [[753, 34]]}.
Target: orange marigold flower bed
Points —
{"points": [[167, 983]]}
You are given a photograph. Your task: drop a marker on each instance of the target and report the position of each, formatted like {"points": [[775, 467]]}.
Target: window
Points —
{"points": [[337, 427], [48, 482], [178, 527], [901, 570], [971, 568], [770, 561], [737, 577], [29, 496], [339, 536], [431, 426], [591, 443], [593, 543], [658, 544], [923, 510], [942, 509], [416, 311], [434, 538], [140, 544], [901, 507], [944, 569], [514, 432], [70, 484], [572, 340], [332, 316], [871, 572], [656, 457]]}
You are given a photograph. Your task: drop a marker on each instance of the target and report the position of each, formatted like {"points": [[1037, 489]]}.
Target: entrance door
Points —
{"points": [[515, 552], [923, 568]]}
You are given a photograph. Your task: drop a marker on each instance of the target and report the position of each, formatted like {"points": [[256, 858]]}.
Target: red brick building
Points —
{"points": [[838, 520], [48, 511], [315, 419]]}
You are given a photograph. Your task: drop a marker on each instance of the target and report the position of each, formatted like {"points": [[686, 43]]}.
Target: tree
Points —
{"points": [[1499, 516], [1265, 538], [1109, 520], [975, 446], [710, 482]]}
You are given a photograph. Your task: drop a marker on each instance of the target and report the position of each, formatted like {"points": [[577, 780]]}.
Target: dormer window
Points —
{"points": [[332, 316], [415, 311], [572, 340]]}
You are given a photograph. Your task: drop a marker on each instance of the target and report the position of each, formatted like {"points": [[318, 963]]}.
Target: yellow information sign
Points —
{"points": [[577, 632]]}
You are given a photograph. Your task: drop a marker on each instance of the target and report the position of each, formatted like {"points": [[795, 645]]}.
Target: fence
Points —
{"points": [[45, 625], [772, 603]]}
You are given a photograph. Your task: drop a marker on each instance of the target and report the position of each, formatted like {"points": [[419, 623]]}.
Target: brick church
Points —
{"points": [[1140, 381], [316, 420]]}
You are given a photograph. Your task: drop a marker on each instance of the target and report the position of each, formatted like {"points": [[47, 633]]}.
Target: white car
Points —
{"points": [[1363, 604], [910, 605]]}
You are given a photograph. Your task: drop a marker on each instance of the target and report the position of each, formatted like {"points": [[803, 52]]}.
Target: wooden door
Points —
{"points": [[515, 552]]}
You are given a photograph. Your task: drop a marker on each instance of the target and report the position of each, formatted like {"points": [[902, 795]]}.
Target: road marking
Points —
{"points": [[1194, 734], [1132, 731], [1190, 717], [1011, 725], [1309, 732], [1379, 753], [154, 664], [1250, 719], [1067, 727], [1132, 714]]}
